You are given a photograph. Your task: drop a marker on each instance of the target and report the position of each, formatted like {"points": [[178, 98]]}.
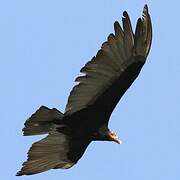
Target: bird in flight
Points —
{"points": [[105, 79]]}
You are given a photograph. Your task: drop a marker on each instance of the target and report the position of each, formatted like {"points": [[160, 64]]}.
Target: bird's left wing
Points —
{"points": [[55, 151], [110, 73]]}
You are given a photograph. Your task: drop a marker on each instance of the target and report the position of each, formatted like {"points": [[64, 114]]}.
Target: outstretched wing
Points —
{"points": [[55, 151], [111, 72]]}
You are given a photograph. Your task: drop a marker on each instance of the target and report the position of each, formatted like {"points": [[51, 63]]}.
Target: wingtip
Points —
{"points": [[145, 9], [125, 14], [19, 173], [117, 28], [116, 23]]}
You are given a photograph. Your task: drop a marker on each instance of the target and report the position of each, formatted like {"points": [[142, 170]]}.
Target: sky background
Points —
{"points": [[43, 45]]}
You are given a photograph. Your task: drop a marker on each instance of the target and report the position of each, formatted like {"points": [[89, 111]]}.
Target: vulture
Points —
{"points": [[104, 80]]}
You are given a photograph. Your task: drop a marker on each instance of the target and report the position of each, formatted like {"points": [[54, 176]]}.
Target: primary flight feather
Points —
{"points": [[90, 104]]}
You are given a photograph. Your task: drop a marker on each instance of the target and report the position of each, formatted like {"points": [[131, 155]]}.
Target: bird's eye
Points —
{"points": [[113, 134]]}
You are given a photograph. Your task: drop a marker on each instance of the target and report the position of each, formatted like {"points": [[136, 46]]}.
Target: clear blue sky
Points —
{"points": [[43, 44]]}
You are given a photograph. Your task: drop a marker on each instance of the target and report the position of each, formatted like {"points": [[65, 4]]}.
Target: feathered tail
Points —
{"points": [[42, 121]]}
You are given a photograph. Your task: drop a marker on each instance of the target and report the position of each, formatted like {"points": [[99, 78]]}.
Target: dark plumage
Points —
{"points": [[107, 77]]}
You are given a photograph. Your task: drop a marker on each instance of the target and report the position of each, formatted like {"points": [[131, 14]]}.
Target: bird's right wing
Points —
{"points": [[111, 72]]}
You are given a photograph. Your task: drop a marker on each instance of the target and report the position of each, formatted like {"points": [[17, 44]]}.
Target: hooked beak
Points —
{"points": [[114, 137], [117, 140]]}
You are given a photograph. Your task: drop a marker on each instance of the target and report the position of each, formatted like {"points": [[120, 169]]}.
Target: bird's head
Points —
{"points": [[112, 136], [105, 134]]}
